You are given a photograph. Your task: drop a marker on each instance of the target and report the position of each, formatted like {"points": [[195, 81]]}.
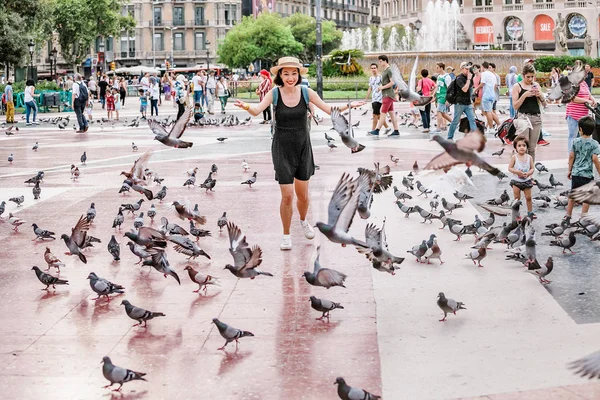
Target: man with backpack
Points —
{"points": [[80, 100], [459, 93]]}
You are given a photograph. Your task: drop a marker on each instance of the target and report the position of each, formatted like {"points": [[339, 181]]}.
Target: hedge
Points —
{"points": [[546, 63]]}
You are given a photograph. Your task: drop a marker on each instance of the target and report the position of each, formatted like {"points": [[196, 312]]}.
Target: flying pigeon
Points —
{"points": [[407, 91], [139, 314], [187, 247], [462, 151], [588, 193], [378, 249], [230, 333], [103, 287], [136, 173], [119, 375], [172, 138], [245, 259], [147, 237], [324, 276], [448, 305], [568, 86], [76, 242], [48, 279], [340, 124], [323, 306]]}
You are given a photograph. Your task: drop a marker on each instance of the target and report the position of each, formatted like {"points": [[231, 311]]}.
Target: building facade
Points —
{"points": [[511, 24]]}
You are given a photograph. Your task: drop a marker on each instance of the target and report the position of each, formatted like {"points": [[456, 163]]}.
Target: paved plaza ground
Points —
{"points": [[513, 341]]}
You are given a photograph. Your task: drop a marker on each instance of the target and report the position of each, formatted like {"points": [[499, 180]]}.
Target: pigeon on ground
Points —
{"points": [[426, 215], [209, 186], [147, 237], [2, 207], [83, 158], [541, 186], [119, 375], [342, 208], [42, 233], [132, 208], [139, 188], [565, 243], [499, 152], [138, 222], [245, 166], [222, 221], [118, 221], [91, 213], [462, 196], [323, 306], [250, 181], [450, 206], [114, 248], [76, 242], [48, 279], [554, 182], [35, 179], [137, 172], [395, 160], [152, 213], [172, 138], [15, 221], [184, 211], [161, 194], [245, 259], [489, 221], [407, 183], [139, 251], [561, 201], [191, 181], [52, 260], [540, 167], [134, 147], [541, 271], [198, 233], [324, 277], [187, 247], [504, 197], [419, 251], [11, 158], [448, 305], [477, 255], [346, 392], [139, 314], [407, 210], [434, 204], [331, 145], [169, 228], [221, 139], [37, 191], [18, 200], [433, 252], [462, 151], [103, 287], [400, 195], [214, 169], [422, 189], [230, 333], [201, 279], [340, 124]]}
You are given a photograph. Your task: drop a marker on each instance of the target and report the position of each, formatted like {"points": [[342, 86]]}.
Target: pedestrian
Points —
{"points": [[265, 87], [110, 102], [376, 97], [541, 141], [197, 83], [554, 75], [93, 88], [80, 97], [222, 91], [211, 86], [576, 109], [496, 93], [511, 80], [425, 86], [166, 85], [464, 91], [450, 71], [143, 96], [589, 76], [203, 79], [527, 100], [291, 149], [477, 86], [117, 95], [29, 99], [145, 82], [10, 102], [103, 85], [521, 167], [441, 88], [122, 91], [154, 95], [388, 96], [583, 154], [69, 84], [488, 97], [198, 112], [181, 94]]}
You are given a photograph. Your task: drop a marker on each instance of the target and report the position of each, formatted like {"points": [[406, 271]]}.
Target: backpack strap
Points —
{"points": [[275, 95], [303, 88], [305, 94]]}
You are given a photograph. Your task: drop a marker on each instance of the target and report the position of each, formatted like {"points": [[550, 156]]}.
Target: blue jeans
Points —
{"points": [[30, 105], [198, 96], [573, 127], [203, 99], [512, 111], [459, 109]]}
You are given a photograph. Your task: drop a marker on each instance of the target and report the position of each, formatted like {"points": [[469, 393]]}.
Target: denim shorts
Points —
{"points": [[441, 107], [487, 105]]}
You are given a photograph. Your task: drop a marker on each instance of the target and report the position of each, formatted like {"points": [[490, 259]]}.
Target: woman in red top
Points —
{"points": [[425, 87], [265, 87]]}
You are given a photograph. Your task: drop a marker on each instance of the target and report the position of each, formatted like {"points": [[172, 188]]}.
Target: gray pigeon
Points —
{"points": [[161, 194], [588, 193], [132, 208], [541, 186], [222, 221], [18, 200], [565, 243], [450, 206], [114, 248], [448, 305], [400, 195], [407, 210], [324, 306], [103, 287], [230, 333], [342, 208], [169, 228], [340, 124], [198, 233], [378, 252], [37, 191], [83, 158], [422, 189], [42, 233], [91, 213], [462, 151], [138, 222], [119, 375], [462, 196], [324, 277], [407, 183], [541, 271], [433, 251], [588, 366], [139, 314], [477, 255], [250, 181], [139, 251], [245, 259], [118, 221], [191, 181], [2, 208], [77, 241], [189, 248], [160, 263], [426, 215], [346, 392], [147, 237], [172, 138], [554, 182], [540, 167], [152, 213], [419, 250], [48, 279]]}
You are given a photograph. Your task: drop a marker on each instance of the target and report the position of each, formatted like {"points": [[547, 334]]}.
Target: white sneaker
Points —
{"points": [[309, 233], [286, 243]]}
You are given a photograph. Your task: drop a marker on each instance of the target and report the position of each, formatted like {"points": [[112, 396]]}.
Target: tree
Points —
{"points": [[304, 28], [265, 38], [79, 22]]}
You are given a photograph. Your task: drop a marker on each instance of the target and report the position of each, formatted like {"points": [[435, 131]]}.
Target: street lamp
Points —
{"points": [[207, 44], [172, 28], [53, 63], [31, 46], [499, 39]]}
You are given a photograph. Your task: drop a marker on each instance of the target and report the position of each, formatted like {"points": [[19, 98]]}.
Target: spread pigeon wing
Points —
{"points": [[340, 124], [412, 79], [372, 236], [181, 124], [340, 198], [577, 75], [140, 165], [588, 193], [157, 128], [501, 211], [383, 237], [397, 77], [346, 215], [147, 233], [328, 277], [254, 260], [79, 232], [472, 141], [588, 367], [442, 160]]}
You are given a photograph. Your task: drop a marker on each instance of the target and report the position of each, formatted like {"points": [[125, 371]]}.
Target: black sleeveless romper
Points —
{"points": [[291, 149]]}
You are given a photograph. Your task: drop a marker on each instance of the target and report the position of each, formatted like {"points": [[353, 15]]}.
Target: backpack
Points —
{"points": [[506, 130], [452, 92], [276, 95], [83, 93]]}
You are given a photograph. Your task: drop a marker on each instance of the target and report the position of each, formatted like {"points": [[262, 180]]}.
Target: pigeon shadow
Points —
{"points": [[101, 308], [126, 396], [49, 298], [201, 299], [155, 344], [230, 360]]}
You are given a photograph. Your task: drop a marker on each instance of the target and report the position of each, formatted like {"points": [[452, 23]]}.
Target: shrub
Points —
{"points": [[546, 63]]}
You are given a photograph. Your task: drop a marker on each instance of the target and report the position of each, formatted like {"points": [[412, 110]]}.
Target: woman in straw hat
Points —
{"points": [[291, 149]]}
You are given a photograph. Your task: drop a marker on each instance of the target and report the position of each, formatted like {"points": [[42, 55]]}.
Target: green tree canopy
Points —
{"points": [[265, 38], [304, 29], [79, 22]]}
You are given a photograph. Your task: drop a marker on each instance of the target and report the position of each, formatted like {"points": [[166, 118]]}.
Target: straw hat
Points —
{"points": [[180, 78], [289, 62]]}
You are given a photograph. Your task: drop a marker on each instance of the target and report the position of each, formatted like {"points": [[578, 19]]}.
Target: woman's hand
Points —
{"points": [[242, 105], [356, 104]]}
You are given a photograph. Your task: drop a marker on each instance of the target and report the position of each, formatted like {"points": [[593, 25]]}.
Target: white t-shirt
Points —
{"points": [[28, 95], [489, 80], [196, 80], [211, 82], [155, 92], [145, 82], [375, 82], [221, 88], [92, 85]]}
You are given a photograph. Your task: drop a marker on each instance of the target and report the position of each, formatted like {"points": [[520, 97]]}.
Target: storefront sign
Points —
{"points": [[577, 26], [513, 28], [484, 31], [544, 25]]}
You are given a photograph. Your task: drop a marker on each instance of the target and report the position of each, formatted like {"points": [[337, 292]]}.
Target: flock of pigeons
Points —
{"points": [[351, 196]]}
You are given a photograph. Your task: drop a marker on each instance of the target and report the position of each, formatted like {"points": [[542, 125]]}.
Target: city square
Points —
{"points": [[144, 213]]}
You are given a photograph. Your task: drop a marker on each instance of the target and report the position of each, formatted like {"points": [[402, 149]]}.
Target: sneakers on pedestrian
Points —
{"points": [[309, 233], [543, 143], [36, 123], [373, 133], [425, 130], [395, 133], [286, 243], [28, 124]]}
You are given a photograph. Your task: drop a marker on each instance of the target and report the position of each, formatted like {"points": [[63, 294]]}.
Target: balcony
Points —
{"points": [[376, 20], [575, 4], [196, 22], [518, 7], [413, 14], [364, 10], [354, 24], [542, 6], [130, 54], [486, 9], [178, 22], [158, 22]]}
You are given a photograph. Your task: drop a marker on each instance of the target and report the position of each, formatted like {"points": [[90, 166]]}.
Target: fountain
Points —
{"points": [[379, 39], [368, 45], [393, 40]]}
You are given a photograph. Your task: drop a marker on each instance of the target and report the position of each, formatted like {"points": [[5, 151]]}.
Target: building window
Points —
{"points": [[415, 7], [109, 43], [509, 2], [199, 15], [478, 3], [178, 16], [199, 41], [131, 47], [178, 44], [278, 8], [489, 2], [157, 16], [159, 44], [227, 14]]}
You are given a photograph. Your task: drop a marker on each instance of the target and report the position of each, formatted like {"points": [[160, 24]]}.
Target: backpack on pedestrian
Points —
{"points": [[451, 92], [83, 93]]}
